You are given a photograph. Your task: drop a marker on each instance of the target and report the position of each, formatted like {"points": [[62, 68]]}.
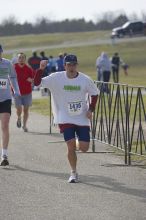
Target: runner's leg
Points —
{"points": [[5, 118], [25, 115]]}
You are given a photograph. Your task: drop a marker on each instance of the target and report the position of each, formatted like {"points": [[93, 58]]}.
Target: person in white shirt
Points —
{"points": [[72, 113], [104, 64], [98, 69]]}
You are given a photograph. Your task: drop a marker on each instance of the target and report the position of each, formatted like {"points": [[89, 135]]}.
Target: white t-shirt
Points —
{"points": [[69, 97]]}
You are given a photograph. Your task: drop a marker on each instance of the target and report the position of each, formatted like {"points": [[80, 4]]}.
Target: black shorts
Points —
{"points": [[5, 107]]}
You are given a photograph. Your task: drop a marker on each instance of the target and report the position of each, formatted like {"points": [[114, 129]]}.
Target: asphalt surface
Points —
{"points": [[35, 187]]}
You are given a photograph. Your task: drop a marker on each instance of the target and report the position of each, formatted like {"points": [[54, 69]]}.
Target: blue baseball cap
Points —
{"points": [[70, 58], [1, 49]]}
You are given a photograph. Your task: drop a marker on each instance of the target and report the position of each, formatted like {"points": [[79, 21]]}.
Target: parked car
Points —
{"points": [[129, 29]]}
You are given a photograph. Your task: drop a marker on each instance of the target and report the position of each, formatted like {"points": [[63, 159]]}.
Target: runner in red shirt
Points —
{"points": [[25, 76]]}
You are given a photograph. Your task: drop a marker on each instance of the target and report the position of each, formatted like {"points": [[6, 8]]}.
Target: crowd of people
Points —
{"points": [[70, 90], [54, 63]]}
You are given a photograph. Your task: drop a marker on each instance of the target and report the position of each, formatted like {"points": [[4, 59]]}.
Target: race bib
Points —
{"points": [[3, 83], [75, 108]]}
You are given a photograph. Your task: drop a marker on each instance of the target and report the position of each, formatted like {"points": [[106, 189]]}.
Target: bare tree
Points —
{"points": [[10, 20]]}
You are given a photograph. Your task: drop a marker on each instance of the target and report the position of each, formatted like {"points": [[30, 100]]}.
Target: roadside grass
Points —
{"points": [[41, 106], [133, 53], [137, 149], [139, 160], [32, 40], [136, 160]]}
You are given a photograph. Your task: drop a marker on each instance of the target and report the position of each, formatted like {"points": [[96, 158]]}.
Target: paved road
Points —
{"points": [[35, 186]]}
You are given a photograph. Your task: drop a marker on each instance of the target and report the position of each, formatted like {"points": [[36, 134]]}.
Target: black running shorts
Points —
{"points": [[5, 106]]}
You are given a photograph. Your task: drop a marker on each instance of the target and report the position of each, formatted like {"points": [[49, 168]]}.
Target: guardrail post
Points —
{"points": [[50, 114]]}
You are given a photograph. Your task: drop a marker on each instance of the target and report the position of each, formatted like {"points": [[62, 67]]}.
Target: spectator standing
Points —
{"points": [[46, 71], [115, 61], [34, 61], [8, 80], [98, 69], [60, 63], [70, 89], [43, 56], [52, 64], [105, 68]]}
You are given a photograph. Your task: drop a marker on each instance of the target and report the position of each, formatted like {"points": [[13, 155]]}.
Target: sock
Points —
{"points": [[73, 171], [4, 152]]}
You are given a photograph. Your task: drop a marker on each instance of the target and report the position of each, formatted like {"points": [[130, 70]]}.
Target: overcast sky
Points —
{"points": [[29, 10]]}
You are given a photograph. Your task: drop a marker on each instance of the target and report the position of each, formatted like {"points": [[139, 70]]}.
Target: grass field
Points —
{"points": [[133, 53]]}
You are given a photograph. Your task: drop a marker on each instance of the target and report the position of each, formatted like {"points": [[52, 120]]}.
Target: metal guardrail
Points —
{"points": [[119, 119]]}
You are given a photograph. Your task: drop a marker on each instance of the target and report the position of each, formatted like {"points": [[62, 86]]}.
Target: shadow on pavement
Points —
{"points": [[96, 181]]}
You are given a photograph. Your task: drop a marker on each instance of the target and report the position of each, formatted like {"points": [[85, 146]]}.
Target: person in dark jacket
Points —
{"points": [[115, 67], [34, 61], [43, 56]]}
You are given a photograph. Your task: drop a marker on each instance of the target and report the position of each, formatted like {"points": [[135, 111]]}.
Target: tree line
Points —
{"points": [[10, 26]]}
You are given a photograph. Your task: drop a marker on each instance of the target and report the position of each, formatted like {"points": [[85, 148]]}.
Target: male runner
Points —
{"points": [[70, 91]]}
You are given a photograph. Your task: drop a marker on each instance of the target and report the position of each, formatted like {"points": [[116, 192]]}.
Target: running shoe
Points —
{"points": [[25, 129], [73, 178], [4, 161], [19, 123]]}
